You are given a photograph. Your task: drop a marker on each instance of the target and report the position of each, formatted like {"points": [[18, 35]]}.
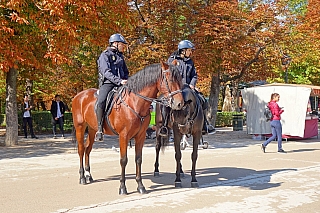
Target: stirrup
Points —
{"points": [[98, 136], [163, 132]]}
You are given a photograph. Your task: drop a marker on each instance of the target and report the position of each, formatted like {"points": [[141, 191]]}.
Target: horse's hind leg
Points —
{"points": [[88, 148]]}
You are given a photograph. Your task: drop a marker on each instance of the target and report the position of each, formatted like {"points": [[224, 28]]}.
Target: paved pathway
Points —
{"points": [[234, 176]]}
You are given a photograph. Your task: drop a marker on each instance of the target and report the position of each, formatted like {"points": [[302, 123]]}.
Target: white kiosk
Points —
{"points": [[296, 121]]}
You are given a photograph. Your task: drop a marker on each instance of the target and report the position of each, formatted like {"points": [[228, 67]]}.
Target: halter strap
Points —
{"points": [[170, 94]]}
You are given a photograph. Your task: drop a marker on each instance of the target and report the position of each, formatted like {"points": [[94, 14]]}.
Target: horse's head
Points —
{"points": [[171, 84], [186, 118], [182, 118]]}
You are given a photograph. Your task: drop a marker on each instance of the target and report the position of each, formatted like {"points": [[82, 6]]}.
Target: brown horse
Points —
{"points": [[129, 117]]}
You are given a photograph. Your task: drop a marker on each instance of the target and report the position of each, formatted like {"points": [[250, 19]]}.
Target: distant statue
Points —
{"points": [[227, 103]]}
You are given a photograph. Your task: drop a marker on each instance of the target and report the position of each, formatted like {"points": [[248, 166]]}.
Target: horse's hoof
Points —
{"points": [[89, 179], [142, 190], [156, 174], [178, 184], [123, 191], [82, 181], [194, 184]]}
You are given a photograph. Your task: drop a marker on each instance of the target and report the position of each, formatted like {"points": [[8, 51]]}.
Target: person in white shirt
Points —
{"points": [[27, 119], [57, 111]]}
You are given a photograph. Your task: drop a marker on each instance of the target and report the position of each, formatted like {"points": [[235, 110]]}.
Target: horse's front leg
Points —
{"points": [[123, 143], [139, 141], [156, 164], [177, 141], [194, 156], [88, 148]]}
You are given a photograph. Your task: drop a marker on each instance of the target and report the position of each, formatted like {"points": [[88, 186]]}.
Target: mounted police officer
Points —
{"points": [[189, 76], [113, 72]]}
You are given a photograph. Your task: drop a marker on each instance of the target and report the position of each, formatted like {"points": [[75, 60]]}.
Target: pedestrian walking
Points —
{"points": [[275, 123]]}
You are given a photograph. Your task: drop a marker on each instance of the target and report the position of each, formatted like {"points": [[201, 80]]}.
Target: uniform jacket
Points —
{"points": [[186, 67], [112, 66], [275, 110], [54, 108]]}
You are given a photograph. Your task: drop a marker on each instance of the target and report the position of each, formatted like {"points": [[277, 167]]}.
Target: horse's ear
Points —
{"points": [[164, 66], [174, 62]]}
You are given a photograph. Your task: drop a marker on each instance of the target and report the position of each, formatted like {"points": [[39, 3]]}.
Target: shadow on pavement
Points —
{"points": [[302, 150], [46, 145], [211, 177]]}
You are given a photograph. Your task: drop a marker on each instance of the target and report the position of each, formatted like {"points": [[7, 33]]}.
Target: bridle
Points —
{"points": [[166, 101]]}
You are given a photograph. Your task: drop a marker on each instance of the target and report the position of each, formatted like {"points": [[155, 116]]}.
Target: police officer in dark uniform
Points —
{"points": [[113, 72], [189, 76]]}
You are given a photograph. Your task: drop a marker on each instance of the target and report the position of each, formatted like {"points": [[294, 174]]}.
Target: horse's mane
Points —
{"points": [[149, 76]]}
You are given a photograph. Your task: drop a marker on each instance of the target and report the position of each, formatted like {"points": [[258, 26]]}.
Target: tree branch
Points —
{"points": [[188, 6], [138, 9], [246, 66]]}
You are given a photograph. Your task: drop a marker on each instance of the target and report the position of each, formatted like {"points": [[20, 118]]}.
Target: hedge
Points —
{"points": [[225, 118], [42, 121]]}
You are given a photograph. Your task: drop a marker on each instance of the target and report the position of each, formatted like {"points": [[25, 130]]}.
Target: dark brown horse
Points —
{"points": [[129, 117], [187, 121]]}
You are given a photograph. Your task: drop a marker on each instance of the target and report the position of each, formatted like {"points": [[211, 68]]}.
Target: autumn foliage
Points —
{"points": [[56, 43]]}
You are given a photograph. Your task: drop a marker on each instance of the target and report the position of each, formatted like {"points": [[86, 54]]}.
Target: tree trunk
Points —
{"points": [[213, 99], [11, 108]]}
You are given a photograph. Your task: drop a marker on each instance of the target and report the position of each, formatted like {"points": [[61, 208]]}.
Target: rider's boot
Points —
{"points": [[207, 128], [163, 131], [99, 133]]}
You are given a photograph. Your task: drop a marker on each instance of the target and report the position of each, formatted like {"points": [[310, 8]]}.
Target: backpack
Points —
{"points": [[267, 113]]}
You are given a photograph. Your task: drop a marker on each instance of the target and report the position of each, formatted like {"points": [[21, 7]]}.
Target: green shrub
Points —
{"points": [[42, 122], [225, 118], [2, 120]]}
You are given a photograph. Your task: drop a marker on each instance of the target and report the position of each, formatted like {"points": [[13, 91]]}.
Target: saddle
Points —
{"points": [[111, 99]]}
